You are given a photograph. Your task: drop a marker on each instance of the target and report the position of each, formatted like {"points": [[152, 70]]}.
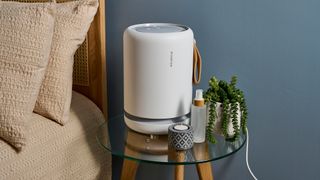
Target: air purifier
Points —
{"points": [[158, 69]]}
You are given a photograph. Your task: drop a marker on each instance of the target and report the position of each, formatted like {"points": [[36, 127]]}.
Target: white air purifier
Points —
{"points": [[158, 69]]}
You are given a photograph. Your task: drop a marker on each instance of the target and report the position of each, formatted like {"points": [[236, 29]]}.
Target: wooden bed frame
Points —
{"points": [[95, 46]]}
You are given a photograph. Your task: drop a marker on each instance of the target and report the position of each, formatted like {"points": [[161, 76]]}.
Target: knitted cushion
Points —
{"points": [[25, 40], [73, 20]]}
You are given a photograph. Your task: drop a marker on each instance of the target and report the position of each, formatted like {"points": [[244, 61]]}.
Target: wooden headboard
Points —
{"points": [[90, 62]]}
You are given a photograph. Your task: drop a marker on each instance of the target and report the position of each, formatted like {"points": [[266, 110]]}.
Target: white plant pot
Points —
{"points": [[218, 122]]}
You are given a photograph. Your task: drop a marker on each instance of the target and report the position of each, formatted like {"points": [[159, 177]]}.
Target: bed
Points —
{"points": [[69, 151]]}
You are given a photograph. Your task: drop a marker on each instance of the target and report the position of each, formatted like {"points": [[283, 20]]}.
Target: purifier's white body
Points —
{"points": [[158, 66]]}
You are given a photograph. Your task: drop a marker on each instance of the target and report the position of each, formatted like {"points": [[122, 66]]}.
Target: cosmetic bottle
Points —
{"points": [[198, 117]]}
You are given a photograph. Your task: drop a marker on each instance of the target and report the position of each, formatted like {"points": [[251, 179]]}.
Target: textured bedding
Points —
{"points": [[60, 152]]}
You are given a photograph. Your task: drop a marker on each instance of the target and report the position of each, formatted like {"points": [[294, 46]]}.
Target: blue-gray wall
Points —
{"points": [[274, 48]]}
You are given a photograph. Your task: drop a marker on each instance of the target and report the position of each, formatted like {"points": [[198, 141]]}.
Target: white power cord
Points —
{"points": [[247, 156]]}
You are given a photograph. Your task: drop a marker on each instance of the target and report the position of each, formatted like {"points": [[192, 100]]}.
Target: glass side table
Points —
{"points": [[134, 147]]}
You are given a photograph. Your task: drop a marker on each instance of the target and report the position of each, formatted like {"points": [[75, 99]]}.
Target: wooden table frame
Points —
{"points": [[130, 167]]}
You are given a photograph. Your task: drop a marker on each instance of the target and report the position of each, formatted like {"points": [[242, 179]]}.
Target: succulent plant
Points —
{"points": [[231, 98]]}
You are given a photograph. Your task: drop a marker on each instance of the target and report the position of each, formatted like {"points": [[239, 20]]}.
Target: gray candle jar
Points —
{"points": [[180, 136]]}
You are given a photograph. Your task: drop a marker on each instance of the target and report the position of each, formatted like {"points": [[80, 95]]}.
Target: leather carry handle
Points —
{"points": [[197, 65]]}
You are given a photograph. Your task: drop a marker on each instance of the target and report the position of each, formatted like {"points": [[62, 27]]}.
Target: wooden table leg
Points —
{"points": [[179, 172], [129, 169], [205, 171], [179, 169], [201, 152]]}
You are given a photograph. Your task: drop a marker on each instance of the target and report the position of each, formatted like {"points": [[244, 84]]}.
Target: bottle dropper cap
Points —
{"points": [[199, 94], [198, 100]]}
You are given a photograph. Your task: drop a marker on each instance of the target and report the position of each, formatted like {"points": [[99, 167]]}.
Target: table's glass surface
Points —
{"points": [[121, 141]]}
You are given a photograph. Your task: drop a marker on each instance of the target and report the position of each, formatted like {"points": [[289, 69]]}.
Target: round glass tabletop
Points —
{"points": [[121, 141]]}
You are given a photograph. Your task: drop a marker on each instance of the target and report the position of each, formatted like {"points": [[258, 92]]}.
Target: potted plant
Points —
{"points": [[227, 109]]}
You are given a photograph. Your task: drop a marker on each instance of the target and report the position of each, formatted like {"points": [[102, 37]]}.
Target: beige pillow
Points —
{"points": [[25, 40], [73, 20]]}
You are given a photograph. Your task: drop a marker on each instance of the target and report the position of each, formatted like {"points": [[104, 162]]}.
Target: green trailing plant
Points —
{"points": [[231, 98]]}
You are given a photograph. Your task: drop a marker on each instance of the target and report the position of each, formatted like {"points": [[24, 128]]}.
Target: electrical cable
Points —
{"points": [[247, 156]]}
